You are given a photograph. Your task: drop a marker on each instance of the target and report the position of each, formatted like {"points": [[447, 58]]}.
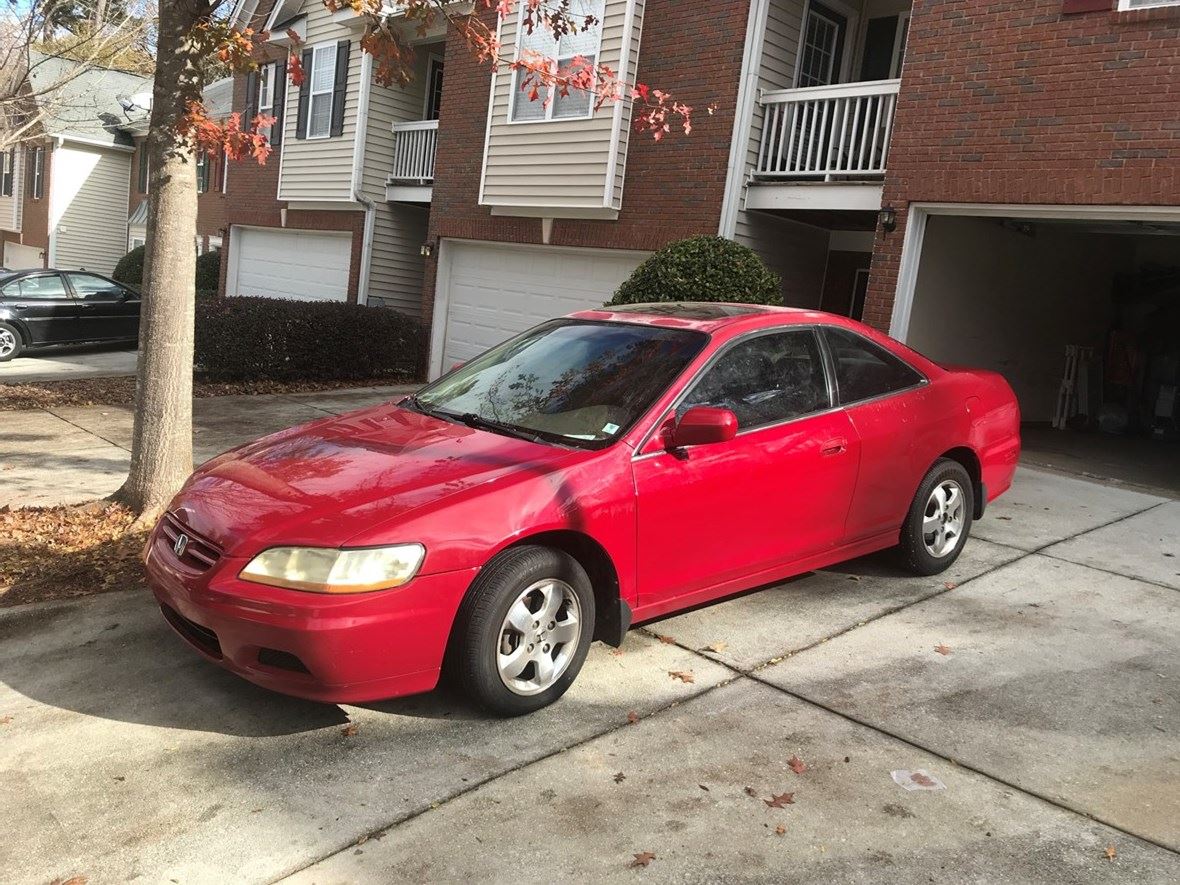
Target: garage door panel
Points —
{"points": [[302, 265], [498, 291]]}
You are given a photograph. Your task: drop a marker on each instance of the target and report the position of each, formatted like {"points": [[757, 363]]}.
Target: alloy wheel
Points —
{"points": [[942, 522], [7, 342], [538, 637]]}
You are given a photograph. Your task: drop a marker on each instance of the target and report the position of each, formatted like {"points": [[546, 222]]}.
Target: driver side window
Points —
{"points": [[765, 379]]}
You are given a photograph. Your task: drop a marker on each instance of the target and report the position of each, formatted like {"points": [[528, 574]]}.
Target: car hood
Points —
{"points": [[325, 482]]}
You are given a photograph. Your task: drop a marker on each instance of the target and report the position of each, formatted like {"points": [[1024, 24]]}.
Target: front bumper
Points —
{"points": [[337, 649]]}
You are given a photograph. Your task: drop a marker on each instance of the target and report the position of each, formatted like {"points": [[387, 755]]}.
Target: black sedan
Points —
{"points": [[40, 307]]}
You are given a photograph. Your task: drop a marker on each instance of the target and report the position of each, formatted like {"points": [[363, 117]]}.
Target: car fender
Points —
{"points": [[8, 315]]}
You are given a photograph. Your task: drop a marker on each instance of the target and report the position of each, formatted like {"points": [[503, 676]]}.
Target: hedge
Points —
{"points": [[209, 271], [246, 338], [129, 270], [702, 269]]}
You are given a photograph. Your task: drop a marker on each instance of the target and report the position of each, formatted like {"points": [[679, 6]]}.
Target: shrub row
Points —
{"points": [[129, 270], [276, 339]]}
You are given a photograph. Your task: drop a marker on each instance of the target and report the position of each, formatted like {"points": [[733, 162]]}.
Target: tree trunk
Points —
{"points": [[162, 439]]}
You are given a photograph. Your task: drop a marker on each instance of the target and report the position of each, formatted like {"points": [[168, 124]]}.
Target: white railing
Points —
{"points": [[413, 151], [827, 133]]}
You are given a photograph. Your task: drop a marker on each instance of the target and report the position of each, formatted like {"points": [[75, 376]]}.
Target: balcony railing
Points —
{"points": [[827, 133], [413, 151]]}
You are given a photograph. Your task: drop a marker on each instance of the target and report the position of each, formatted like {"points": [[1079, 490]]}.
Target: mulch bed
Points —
{"points": [[120, 390], [62, 552]]}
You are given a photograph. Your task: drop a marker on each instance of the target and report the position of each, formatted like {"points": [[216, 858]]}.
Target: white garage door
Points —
{"points": [[490, 292], [306, 265]]}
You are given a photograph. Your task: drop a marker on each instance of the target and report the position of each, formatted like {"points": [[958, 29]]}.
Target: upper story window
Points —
{"points": [[266, 94], [141, 184], [35, 162], [586, 43], [7, 172], [202, 172], [821, 53], [1145, 4], [321, 80]]}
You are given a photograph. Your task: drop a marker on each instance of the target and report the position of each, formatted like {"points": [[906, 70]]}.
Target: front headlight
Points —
{"points": [[324, 570]]}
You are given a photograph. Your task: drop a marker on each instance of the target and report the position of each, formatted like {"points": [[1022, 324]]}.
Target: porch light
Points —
{"points": [[887, 218]]}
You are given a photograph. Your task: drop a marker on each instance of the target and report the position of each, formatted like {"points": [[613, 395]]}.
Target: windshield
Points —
{"points": [[577, 382]]}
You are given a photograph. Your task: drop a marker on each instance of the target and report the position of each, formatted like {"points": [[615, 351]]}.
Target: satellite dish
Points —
{"points": [[141, 101]]}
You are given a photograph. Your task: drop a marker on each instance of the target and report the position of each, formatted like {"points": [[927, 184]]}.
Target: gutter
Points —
{"points": [[358, 162]]}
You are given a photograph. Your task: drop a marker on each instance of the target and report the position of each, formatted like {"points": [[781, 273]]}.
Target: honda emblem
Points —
{"points": [[180, 545]]}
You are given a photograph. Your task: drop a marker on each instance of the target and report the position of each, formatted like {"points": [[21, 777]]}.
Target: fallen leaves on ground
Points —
{"points": [[350, 730], [632, 717], [796, 765], [923, 780], [73, 880], [750, 791], [717, 647], [1111, 853], [667, 640], [642, 859], [66, 551], [782, 800], [4, 720], [620, 777], [950, 585], [120, 390], [942, 649], [780, 830], [682, 675]]}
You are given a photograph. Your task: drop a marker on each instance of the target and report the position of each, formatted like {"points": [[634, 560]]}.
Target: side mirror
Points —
{"points": [[704, 425]]}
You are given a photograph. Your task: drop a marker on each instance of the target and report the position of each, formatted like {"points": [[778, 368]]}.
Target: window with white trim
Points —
{"points": [[322, 80], [7, 172], [266, 94], [586, 43], [36, 167], [202, 172], [1127, 5]]}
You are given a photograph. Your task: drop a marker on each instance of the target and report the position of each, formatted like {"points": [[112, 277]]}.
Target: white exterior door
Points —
{"points": [[18, 257], [488, 292], [297, 264]]}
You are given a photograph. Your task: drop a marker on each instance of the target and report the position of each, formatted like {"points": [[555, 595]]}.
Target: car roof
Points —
{"points": [[705, 316]]}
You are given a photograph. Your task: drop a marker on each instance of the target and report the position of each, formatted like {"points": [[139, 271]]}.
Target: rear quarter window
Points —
{"points": [[865, 370]]}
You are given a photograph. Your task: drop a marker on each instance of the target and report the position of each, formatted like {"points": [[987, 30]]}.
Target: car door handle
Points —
{"points": [[834, 447], [86, 306], [21, 306]]}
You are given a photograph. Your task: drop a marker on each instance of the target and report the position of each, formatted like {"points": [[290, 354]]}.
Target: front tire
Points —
{"points": [[11, 344], [939, 520], [523, 630]]}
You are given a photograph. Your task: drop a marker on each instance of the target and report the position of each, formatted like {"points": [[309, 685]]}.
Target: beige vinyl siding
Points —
{"points": [[88, 189], [560, 163], [396, 265], [321, 168], [784, 19], [624, 139], [11, 207]]}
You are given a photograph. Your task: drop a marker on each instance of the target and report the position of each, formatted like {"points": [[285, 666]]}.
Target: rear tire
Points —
{"points": [[11, 344], [939, 521], [523, 630]]}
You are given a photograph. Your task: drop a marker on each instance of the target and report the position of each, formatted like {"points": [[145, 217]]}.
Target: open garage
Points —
{"points": [[1080, 311]]}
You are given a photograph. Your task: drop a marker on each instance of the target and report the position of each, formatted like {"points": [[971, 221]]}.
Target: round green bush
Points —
{"points": [[129, 270], [209, 271], [702, 269]]}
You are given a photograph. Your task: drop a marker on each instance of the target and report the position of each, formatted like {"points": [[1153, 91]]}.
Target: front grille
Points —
{"points": [[202, 637], [199, 553]]}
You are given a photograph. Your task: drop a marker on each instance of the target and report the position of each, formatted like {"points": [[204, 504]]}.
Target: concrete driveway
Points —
{"points": [[69, 363], [1053, 722]]}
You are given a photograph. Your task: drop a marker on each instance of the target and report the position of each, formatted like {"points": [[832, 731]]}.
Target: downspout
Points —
{"points": [[747, 94], [358, 162]]}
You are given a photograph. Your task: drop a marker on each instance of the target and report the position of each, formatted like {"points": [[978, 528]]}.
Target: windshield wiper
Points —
{"points": [[479, 421]]}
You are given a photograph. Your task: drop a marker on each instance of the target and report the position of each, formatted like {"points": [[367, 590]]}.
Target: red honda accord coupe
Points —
{"points": [[598, 470]]}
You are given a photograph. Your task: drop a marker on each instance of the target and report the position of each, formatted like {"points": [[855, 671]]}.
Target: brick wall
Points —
{"points": [[673, 188], [1020, 101]]}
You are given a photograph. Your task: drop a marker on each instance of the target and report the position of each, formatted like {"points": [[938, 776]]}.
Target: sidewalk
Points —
{"points": [[77, 453], [69, 363]]}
